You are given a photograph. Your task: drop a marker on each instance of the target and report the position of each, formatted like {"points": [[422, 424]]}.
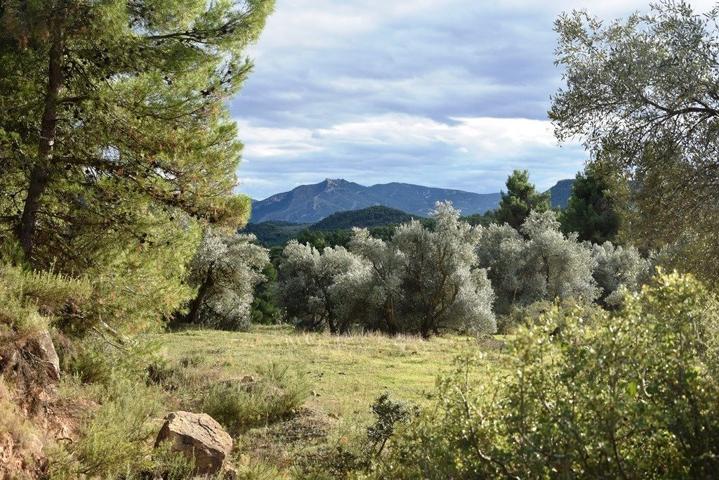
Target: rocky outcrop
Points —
{"points": [[31, 366], [197, 436]]}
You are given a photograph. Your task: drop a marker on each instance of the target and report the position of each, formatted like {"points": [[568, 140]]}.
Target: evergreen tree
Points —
{"points": [[520, 199], [114, 119], [590, 211]]}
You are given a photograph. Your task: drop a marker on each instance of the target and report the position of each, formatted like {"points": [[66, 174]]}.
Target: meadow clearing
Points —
{"points": [[341, 376]]}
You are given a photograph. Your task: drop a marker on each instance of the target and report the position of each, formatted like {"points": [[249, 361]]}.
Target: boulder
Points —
{"points": [[34, 352], [198, 436], [44, 350]]}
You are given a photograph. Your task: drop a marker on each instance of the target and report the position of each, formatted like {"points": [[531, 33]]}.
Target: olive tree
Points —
{"points": [[442, 287], [421, 281], [382, 292], [643, 94], [619, 268], [544, 264], [316, 288], [561, 266], [501, 250], [424, 281], [225, 271]]}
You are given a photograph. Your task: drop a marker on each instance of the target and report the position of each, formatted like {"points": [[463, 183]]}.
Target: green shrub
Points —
{"points": [[388, 413], [631, 395], [94, 360], [115, 440], [29, 300], [238, 405], [258, 471], [24, 437], [171, 465]]}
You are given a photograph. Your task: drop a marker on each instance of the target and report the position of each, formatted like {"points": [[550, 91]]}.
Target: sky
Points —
{"points": [[443, 93]]}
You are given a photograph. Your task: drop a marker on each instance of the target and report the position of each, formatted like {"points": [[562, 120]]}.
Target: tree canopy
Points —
{"points": [[114, 119], [520, 199], [590, 211], [643, 93]]}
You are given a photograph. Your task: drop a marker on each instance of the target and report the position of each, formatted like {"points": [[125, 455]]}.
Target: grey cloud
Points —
{"points": [[462, 58]]}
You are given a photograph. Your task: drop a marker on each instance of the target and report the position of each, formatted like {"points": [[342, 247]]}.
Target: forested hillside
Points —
{"points": [[365, 218]]}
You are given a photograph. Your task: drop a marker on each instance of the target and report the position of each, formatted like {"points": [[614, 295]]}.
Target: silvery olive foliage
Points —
{"points": [[619, 270], [383, 290], [501, 251], [420, 282], [562, 266], [541, 264], [441, 286], [317, 289], [225, 271]]}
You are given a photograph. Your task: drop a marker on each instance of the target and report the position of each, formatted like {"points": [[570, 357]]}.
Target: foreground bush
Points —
{"points": [[631, 395], [29, 301]]}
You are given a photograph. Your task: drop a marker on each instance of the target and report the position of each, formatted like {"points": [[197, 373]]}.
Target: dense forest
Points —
{"points": [[145, 333]]}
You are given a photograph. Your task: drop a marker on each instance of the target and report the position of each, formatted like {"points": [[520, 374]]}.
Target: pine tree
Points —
{"points": [[590, 211], [520, 199], [114, 121]]}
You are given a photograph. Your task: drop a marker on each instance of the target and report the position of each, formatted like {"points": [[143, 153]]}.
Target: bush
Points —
{"points": [[29, 301], [348, 458], [388, 414], [25, 440], [94, 360], [624, 395], [115, 441], [239, 405]]}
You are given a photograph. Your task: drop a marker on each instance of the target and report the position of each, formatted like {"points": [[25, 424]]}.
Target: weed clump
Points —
{"points": [[248, 403]]}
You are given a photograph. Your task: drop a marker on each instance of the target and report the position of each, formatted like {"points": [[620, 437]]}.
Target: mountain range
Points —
{"points": [[312, 203]]}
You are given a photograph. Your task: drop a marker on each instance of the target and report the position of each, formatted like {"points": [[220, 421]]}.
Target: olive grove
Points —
{"points": [[451, 276], [419, 282]]}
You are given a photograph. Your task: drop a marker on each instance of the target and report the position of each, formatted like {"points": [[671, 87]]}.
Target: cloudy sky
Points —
{"points": [[445, 93]]}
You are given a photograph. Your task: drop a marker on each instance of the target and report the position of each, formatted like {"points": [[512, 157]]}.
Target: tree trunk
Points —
{"points": [[194, 315], [390, 320], [331, 325], [40, 174]]}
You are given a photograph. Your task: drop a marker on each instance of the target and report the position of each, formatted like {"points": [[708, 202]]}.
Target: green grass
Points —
{"points": [[344, 375]]}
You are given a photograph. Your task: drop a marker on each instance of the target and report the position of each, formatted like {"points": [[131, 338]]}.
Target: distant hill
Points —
{"points": [[365, 218], [277, 232], [560, 193], [312, 203], [308, 204], [272, 234]]}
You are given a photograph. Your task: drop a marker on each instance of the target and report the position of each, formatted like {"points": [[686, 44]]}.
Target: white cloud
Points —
{"points": [[449, 93], [479, 136], [273, 142], [473, 153]]}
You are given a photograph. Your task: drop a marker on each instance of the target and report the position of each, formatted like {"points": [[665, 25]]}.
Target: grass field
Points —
{"points": [[343, 374]]}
